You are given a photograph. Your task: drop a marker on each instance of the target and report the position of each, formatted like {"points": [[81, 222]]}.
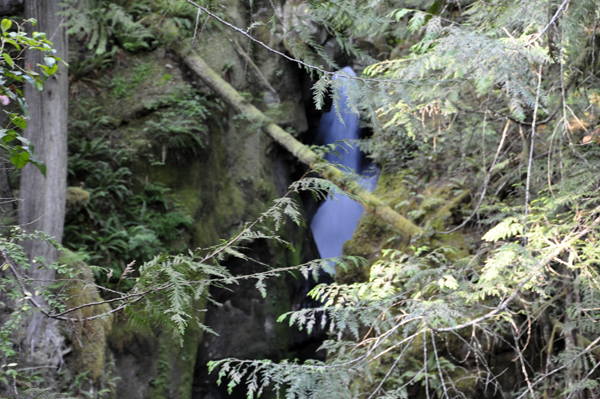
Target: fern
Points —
{"points": [[509, 227], [98, 22]]}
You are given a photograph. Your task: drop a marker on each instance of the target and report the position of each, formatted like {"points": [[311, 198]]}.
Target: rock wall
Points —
{"points": [[227, 183]]}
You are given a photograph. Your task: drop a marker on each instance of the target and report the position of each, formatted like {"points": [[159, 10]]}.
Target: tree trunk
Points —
{"points": [[42, 205], [43, 198], [371, 203]]}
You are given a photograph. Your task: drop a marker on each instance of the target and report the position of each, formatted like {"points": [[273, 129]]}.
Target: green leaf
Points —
{"points": [[49, 71], [10, 41], [509, 227], [19, 159], [50, 61], [8, 135], [398, 14], [25, 142], [6, 24], [20, 122], [8, 59], [40, 165]]}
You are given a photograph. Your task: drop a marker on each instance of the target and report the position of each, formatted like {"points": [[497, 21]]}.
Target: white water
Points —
{"points": [[337, 217]]}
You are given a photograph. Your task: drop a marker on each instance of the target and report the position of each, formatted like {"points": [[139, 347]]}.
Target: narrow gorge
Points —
{"points": [[352, 199]]}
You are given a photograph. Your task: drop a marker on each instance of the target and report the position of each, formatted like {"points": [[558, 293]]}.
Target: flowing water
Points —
{"points": [[337, 217]]}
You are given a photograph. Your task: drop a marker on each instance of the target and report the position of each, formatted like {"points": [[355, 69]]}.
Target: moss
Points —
{"points": [[176, 359], [76, 198], [130, 90], [446, 211], [392, 189], [288, 115], [89, 337], [431, 205]]}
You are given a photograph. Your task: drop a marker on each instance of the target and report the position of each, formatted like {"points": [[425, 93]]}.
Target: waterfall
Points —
{"points": [[335, 221]]}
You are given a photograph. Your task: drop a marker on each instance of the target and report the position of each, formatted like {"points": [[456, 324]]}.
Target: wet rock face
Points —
{"points": [[246, 323], [230, 182]]}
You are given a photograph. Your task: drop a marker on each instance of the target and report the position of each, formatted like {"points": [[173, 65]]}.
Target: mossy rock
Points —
{"points": [[77, 197], [88, 337], [433, 206], [131, 89]]}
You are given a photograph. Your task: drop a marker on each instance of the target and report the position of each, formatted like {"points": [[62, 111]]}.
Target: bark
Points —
{"points": [[43, 198], [304, 154], [42, 205]]}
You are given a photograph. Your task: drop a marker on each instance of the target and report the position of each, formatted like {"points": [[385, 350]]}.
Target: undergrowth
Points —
{"points": [[119, 224]]}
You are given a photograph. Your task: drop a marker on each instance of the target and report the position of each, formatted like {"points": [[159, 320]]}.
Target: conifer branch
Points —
{"points": [[485, 183], [567, 242]]}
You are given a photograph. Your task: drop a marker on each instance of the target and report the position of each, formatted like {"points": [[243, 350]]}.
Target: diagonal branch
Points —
{"points": [[304, 154]]}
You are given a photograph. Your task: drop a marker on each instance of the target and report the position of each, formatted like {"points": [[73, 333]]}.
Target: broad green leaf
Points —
{"points": [[8, 135], [10, 41], [20, 122], [40, 165], [45, 69], [6, 24], [49, 71], [19, 159], [25, 142], [29, 79], [8, 59]]}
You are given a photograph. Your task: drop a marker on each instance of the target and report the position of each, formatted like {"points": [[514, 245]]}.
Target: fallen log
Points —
{"points": [[304, 154]]}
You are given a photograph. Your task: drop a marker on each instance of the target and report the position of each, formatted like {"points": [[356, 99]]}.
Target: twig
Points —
{"points": [[255, 68], [27, 294], [515, 334], [530, 163], [128, 269], [384, 379], [439, 365], [196, 25], [485, 183], [548, 25]]}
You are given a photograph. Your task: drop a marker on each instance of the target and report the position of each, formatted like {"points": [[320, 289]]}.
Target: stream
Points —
{"points": [[337, 217]]}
